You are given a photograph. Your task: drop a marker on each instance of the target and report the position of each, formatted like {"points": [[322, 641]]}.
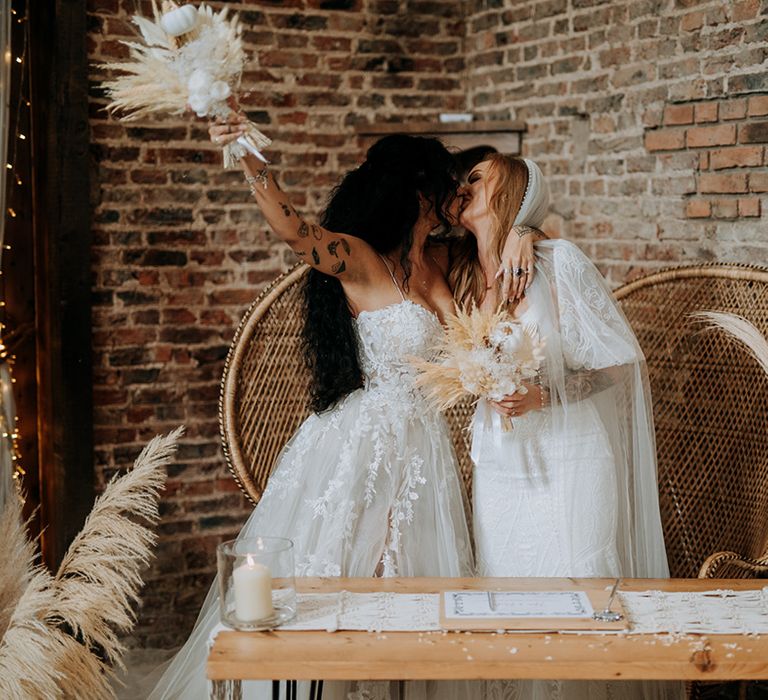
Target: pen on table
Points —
{"points": [[612, 596]]}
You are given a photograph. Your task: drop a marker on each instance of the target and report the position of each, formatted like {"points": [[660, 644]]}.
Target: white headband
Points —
{"points": [[535, 205]]}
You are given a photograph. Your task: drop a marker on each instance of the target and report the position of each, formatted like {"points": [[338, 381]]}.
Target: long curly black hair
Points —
{"points": [[378, 202]]}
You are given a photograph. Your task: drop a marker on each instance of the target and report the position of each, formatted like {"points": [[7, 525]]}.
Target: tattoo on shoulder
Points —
{"points": [[339, 267], [315, 256], [303, 230], [317, 232]]}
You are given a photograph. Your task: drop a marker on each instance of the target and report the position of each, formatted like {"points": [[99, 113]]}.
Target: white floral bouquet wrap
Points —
{"points": [[191, 58], [483, 354]]}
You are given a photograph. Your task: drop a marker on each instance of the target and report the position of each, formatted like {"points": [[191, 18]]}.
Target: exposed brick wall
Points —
{"points": [[181, 250], [726, 138], [648, 116]]}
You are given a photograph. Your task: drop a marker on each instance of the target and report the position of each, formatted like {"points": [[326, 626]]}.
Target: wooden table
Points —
{"points": [[345, 655]]}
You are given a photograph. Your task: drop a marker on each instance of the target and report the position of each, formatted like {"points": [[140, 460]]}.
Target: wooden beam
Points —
{"points": [[63, 278], [503, 136], [421, 128]]}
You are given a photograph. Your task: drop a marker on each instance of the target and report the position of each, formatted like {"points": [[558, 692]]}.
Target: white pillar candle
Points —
{"points": [[252, 584]]}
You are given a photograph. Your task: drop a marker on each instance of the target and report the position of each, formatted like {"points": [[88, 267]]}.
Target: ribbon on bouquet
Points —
{"points": [[488, 432], [252, 141]]}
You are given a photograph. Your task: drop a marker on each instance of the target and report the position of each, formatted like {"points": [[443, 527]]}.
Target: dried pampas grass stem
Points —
{"points": [[483, 353], [60, 633], [738, 329]]}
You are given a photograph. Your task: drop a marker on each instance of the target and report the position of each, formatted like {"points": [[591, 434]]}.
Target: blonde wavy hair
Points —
{"points": [[466, 275]]}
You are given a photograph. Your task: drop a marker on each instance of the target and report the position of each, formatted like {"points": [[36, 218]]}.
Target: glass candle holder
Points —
{"points": [[257, 590]]}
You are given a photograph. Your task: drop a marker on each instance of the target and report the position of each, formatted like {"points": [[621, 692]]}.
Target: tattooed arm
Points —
{"points": [[339, 254], [583, 383], [330, 252], [578, 385]]}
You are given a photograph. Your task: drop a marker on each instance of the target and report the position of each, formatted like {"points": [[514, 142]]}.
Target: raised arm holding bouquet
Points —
{"points": [[191, 58]]}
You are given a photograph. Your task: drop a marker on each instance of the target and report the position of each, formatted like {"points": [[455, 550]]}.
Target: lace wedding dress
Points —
{"points": [[370, 487], [571, 490]]}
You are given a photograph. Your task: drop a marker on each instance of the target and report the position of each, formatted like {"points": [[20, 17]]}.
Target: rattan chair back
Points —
{"points": [[710, 402], [264, 390]]}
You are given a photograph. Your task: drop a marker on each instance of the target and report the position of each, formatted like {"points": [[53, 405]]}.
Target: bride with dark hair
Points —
{"points": [[369, 484]]}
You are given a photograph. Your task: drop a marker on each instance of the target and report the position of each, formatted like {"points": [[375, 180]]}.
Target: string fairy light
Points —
{"points": [[9, 420]]}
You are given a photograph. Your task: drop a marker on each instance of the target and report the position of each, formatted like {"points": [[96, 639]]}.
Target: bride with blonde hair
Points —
{"points": [[570, 490]]}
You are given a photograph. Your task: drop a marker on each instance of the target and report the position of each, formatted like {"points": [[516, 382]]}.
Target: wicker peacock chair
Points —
{"points": [[709, 408], [264, 391], [709, 403]]}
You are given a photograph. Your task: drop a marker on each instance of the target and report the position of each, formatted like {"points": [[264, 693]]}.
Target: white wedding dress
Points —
{"points": [[369, 487], [571, 490]]}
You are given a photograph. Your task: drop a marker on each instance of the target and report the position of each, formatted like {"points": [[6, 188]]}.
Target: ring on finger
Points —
{"points": [[519, 272]]}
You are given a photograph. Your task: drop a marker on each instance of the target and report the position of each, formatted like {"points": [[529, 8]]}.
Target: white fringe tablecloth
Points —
{"points": [[648, 612]]}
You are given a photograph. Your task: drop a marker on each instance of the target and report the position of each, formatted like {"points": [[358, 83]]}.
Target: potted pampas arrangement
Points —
{"points": [[59, 633]]}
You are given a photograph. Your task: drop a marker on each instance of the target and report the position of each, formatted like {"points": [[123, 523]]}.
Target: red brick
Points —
{"points": [[744, 10], [652, 117], [721, 135], [758, 182], [665, 140], [754, 132], [706, 112], [738, 157], [678, 114], [698, 209], [749, 207], [724, 208], [758, 106], [703, 160], [692, 21], [733, 109], [731, 183]]}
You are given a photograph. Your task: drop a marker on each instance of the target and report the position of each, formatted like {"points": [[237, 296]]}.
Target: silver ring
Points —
{"points": [[519, 272]]}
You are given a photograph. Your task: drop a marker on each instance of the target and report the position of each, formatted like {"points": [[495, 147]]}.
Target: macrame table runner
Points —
{"points": [[649, 612]]}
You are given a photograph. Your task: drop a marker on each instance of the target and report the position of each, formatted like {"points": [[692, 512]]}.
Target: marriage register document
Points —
{"points": [[490, 604], [523, 610]]}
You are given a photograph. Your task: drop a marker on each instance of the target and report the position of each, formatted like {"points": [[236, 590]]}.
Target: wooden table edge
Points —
{"points": [[347, 655]]}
